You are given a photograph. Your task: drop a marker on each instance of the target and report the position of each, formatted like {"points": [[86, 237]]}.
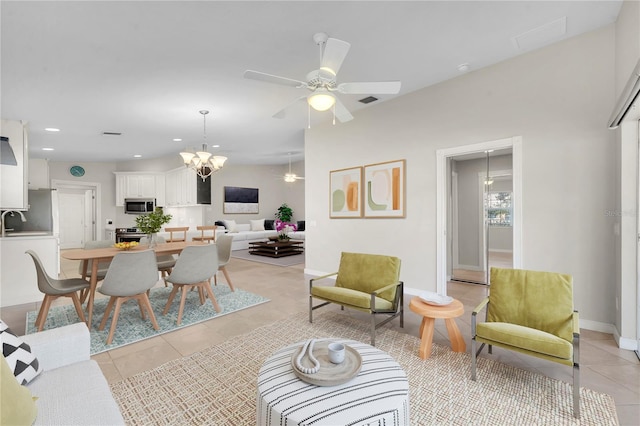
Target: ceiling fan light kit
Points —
{"points": [[322, 81], [321, 100], [203, 162]]}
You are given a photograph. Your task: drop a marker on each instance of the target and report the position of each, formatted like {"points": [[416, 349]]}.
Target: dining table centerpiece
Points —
{"points": [[283, 229], [151, 223]]}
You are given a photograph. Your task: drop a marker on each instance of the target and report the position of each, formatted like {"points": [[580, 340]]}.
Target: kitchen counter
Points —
{"points": [[18, 280]]}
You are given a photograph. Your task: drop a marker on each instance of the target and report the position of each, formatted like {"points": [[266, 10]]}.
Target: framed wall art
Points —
{"points": [[240, 200], [384, 189], [345, 198]]}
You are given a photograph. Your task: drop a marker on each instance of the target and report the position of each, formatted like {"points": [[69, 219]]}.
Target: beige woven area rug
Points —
{"points": [[218, 385]]}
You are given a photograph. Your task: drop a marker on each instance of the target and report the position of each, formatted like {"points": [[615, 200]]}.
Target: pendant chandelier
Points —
{"points": [[203, 162]]}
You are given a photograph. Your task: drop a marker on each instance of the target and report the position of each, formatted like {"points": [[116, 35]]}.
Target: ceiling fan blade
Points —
{"points": [[369, 88], [334, 53], [342, 113], [283, 112], [260, 76]]}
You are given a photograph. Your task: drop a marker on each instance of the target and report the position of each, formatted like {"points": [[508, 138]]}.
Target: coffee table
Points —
{"points": [[378, 394], [276, 248]]}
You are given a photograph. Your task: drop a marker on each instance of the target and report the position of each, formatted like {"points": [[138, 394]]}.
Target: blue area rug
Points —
{"points": [[132, 328]]}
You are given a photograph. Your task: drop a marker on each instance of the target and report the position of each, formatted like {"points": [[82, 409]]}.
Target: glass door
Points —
{"points": [[481, 189]]}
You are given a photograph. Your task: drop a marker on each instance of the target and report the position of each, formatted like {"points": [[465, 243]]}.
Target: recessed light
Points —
{"points": [[464, 67], [177, 140], [51, 129], [47, 149], [137, 156], [216, 146]]}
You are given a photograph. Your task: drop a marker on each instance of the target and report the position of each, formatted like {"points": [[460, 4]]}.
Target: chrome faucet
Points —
{"points": [[2, 218]]}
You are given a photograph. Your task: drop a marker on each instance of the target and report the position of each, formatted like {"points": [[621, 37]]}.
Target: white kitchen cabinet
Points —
{"points": [[18, 279], [14, 166], [139, 185], [38, 173], [185, 188]]}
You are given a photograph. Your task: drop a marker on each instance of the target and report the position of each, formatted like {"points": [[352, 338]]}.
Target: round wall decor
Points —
{"points": [[77, 171]]}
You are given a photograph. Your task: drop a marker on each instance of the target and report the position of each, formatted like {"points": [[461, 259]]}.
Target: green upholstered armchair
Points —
{"points": [[530, 312], [365, 282]]}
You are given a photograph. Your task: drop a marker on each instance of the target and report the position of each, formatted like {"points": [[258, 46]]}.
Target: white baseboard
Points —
{"points": [[625, 342]]}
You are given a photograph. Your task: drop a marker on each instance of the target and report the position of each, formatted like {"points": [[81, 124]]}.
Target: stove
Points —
{"points": [[124, 235]]}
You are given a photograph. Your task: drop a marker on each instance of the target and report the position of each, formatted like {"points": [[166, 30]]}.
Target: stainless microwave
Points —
{"points": [[139, 205]]}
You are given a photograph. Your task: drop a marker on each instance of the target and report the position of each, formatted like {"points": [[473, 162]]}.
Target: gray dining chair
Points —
{"points": [[103, 265], [53, 288], [165, 262], [224, 255], [129, 277], [194, 269]]}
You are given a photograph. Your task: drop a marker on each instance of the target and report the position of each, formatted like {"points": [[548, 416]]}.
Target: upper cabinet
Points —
{"points": [[185, 188], [38, 173], [140, 185], [14, 159]]}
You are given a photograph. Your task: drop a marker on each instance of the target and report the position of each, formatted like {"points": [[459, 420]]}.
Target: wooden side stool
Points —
{"points": [[203, 237], [178, 230], [429, 314]]}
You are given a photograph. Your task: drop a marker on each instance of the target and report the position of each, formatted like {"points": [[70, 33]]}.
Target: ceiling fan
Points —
{"points": [[322, 82], [291, 177]]}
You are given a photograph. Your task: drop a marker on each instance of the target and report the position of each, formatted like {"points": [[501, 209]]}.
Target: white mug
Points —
{"points": [[336, 352]]}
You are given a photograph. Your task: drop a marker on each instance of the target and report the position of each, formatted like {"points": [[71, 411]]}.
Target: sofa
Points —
{"points": [[256, 230], [71, 389]]}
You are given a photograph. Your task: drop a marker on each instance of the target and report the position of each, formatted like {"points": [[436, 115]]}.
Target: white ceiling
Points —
{"points": [[146, 68]]}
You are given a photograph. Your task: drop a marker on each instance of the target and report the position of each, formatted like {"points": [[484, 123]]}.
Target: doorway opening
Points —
{"points": [[479, 192]]}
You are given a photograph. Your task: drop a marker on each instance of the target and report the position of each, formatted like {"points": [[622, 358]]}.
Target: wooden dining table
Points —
{"points": [[96, 255]]}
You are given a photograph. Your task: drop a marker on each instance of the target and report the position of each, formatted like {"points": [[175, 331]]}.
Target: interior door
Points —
{"points": [[76, 217]]}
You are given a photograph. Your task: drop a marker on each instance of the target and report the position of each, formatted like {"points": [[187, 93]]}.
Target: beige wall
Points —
{"points": [[557, 98]]}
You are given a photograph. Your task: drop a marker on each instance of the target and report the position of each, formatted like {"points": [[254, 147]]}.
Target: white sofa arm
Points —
{"points": [[60, 346]]}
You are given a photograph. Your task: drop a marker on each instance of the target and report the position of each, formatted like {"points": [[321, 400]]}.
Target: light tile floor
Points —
{"points": [[604, 367]]}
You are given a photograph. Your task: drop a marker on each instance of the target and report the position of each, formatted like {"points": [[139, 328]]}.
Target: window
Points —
{"points": [[498, 208]]}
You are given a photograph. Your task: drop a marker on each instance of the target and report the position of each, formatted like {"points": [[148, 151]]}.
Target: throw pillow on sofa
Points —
{"points": [[17, 406], [219, 223], [257, 225], [22, 362], [230, 225], [300, 225], [268, 225]]}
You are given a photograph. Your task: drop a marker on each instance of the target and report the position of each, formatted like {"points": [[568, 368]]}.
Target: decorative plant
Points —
{"points": [[152, 223], [284, 213], [283, 229]]}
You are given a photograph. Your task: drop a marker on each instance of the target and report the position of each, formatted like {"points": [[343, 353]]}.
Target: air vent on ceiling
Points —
{"points": [[368, 99], [111, 134]]}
